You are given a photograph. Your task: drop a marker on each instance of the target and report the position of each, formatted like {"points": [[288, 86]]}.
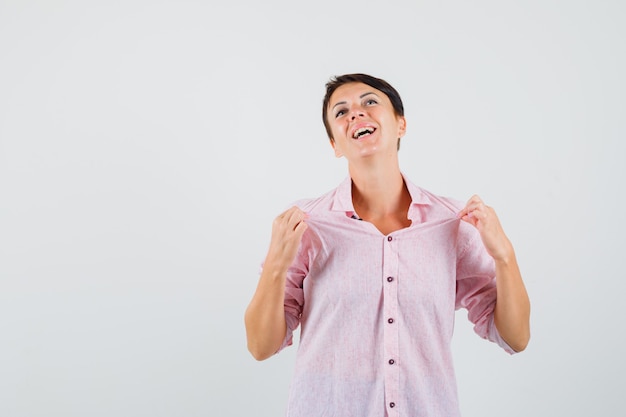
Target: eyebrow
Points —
{"points": [[361, 96]]}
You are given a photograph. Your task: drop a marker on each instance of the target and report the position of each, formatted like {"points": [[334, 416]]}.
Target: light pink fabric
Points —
{"points": [[377, 312]]}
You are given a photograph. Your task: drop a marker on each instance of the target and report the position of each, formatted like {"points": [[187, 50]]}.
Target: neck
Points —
{"points": [[379, 191]]}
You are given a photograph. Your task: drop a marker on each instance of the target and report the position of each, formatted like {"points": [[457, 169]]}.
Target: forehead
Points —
{"points": [[352, 91]]}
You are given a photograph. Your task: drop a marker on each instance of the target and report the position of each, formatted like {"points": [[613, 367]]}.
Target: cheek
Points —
{"points": [[338, 129]]}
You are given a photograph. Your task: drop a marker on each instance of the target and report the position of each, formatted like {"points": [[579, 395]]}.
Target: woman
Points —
{"points": [[373, 272]]}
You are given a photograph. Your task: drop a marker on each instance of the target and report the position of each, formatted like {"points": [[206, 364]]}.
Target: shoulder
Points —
{"points": [[315, 205], [318, 205]]}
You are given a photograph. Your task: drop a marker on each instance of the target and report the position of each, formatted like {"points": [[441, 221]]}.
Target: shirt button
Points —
{"points": [[391, 361], [389, 321], [389, 238], [389, 279], [392, 405]]}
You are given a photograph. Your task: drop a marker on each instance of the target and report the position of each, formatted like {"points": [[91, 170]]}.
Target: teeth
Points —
{"points": [[362, 131]]}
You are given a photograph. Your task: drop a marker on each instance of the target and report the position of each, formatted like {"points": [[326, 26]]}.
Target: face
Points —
{"points": [[363, 122]]}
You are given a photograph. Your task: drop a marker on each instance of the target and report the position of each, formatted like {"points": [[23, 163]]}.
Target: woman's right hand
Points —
{"points": [[265, 317], [287, 231]]}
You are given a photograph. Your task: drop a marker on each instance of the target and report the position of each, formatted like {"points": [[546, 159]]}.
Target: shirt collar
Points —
{"points": [[343, 197]]}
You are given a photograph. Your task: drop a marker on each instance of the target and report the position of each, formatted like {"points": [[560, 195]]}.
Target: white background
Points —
{"points": [[146, 146]]}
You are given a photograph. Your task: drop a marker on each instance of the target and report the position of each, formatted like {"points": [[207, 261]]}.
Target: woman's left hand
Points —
{"points": [[484, 218]]}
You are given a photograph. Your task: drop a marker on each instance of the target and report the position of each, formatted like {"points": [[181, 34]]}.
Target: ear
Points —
{"points": [[401, 126], [338, 152]]}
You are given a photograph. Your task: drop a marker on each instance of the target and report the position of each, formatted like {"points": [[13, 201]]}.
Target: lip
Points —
{"points": [[360, 126]]}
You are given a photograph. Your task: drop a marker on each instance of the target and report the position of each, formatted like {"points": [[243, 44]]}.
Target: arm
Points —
{"points": [[512, 311], [265, 316]]}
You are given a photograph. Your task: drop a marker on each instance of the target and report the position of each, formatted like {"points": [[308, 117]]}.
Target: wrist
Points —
{"points": [[275, 269]]}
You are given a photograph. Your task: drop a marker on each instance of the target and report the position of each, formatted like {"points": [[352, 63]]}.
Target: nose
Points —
{"points": [[356, 112]]}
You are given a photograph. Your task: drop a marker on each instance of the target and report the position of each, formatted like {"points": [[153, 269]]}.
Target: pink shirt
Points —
{"points": [[377, 311]]}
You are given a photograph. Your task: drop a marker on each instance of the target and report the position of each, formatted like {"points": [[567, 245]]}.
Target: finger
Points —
{"points": [[475, 204], [474, 213], [300, 229], [470, 211], [470, 205], [287, 214], [475, 199], [290, 211], [287, 221], [284, 214], [295, 217], [470, 218]]}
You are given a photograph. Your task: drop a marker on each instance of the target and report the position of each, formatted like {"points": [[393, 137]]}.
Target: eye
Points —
{"points": [[370, 101], [339, 113]]}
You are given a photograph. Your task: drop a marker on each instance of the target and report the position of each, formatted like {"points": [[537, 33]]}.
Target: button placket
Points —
{"points": [[390, 308]]}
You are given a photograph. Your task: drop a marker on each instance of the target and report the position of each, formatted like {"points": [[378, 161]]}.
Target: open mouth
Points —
{"points": [[362, 132]]}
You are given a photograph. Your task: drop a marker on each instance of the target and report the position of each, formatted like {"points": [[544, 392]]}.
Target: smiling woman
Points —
{"points": [[373, 271], [381, 85]]}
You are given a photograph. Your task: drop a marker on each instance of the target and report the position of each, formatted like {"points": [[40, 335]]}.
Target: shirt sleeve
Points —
{"points": [[476, 285]]}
